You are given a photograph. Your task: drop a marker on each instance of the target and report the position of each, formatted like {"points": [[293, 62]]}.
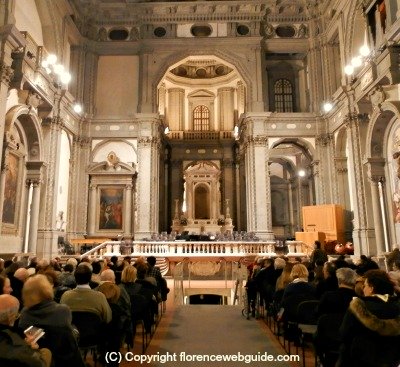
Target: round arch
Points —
{"points": [[32, 129], [177, 58], [302, 144], [104, 142], [378, 128]]}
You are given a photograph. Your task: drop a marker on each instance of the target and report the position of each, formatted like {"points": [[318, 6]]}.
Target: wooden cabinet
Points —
{"points": [[325, 219]]}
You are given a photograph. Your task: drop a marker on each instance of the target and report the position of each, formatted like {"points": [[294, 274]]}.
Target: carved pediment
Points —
{"points": [[104, 167]]}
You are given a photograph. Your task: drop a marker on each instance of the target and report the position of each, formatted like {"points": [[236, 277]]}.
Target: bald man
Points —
{"points": [[13, 348]]}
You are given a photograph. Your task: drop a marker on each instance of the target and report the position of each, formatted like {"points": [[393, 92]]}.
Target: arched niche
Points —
{"points": [[202, 201]]}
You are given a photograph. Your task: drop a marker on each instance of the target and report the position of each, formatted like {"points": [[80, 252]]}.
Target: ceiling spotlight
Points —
{"points": [[356, 61], [364, 50], [51, 59], [328, 106], [77, 108], [301, 173], [65, 77], [349, 69]]}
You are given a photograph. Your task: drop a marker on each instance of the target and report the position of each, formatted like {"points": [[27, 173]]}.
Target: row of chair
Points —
{"points": [[303, 327]]}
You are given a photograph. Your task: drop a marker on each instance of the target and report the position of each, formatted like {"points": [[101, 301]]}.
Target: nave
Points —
{"points": [[210, 330]]}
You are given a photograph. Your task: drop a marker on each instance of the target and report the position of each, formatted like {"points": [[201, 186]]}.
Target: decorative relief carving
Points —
{"points": [[204, 268], [112, 162], [377, 97], [341, 170], [259, 140], [6, 73]]}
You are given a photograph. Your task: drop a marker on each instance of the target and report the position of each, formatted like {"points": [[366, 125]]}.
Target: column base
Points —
{"points": [[265, 235], [47, 243]]}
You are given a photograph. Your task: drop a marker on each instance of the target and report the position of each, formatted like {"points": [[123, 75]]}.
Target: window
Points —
{"points": [[283, 96], [201, 118]]}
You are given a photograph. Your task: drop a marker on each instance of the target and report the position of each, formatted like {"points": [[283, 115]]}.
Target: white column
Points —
{"points": [[92, 210], [128, 210], [378, 223], [258, 181], [148, 186], [34, 217], [28, 214]]}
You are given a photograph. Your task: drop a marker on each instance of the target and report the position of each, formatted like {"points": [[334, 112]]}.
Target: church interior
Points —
{"points": [[139, 119]]}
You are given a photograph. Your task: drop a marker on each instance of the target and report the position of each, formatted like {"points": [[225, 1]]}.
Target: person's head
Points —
{"points": [[346, 277], [83, 273], [279, 263], [141, 270], [107, 275], [37, 289], [97, 266], [128, 274], [377, 282], [73, 262], [329, 270], [9, 306], [114, 259], [68, 268], [21, 274], [299, 271], [317, 245], [111, 291], [267, 262], [151, 260], [5, 285]]}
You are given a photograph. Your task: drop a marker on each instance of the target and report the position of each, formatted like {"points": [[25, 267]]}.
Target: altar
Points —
{"points": [[201, 211]]}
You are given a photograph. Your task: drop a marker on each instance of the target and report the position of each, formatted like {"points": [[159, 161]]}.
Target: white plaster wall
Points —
{"points": [[27, 19], [63, 182], [117, 86], [124, 151]]}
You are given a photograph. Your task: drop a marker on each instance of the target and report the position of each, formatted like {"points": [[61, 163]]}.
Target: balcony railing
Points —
{"points": [[200, 135], [201, 249]]}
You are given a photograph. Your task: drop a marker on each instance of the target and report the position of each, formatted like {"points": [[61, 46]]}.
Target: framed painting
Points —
{"points": [[10, 190], [111, 208]]}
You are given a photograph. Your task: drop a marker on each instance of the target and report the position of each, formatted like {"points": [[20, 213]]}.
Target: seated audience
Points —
{"points": [[297, 291], [40, 307], [370, 331], [338, 301], [120, 326], [5, 285], [83, 298], [42, 311], [17, 282], [365, 264], [330, 282], [14, 350], [331, 309]]}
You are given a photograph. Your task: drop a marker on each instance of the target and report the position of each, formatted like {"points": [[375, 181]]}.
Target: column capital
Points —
{"points": [[55, 121], [129, 186], [92, 186], [324, 139], [35, 182]]}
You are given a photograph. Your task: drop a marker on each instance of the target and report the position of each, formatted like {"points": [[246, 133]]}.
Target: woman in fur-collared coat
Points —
{"points": [[370, 331]]}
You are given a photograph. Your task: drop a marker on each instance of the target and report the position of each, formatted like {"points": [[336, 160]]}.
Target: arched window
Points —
{"points": [[201, 118], [283, 96]]}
